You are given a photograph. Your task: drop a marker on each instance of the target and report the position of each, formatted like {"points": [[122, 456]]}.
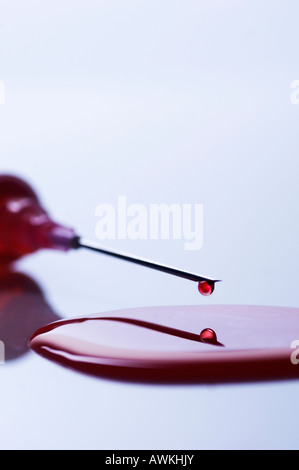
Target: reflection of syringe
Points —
{"points": [[25, 227]]}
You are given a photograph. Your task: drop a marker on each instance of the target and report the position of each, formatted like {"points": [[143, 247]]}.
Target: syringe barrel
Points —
{"points": [[25, 227]]}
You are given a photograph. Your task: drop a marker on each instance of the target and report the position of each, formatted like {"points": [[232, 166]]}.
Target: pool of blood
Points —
{"points": [[178, 344]]}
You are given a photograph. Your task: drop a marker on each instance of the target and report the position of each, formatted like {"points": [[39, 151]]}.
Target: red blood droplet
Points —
{"points": [[206, 287], [208, 336]]}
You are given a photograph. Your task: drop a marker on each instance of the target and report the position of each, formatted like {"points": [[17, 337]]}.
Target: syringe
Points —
{"points": [[26, 227]]}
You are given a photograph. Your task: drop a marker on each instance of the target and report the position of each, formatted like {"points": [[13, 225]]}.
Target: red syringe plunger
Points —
{"points": [[25, 226]]}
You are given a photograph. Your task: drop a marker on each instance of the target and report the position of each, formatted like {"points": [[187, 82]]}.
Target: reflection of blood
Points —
{"points": [[23, 309], [6, 297], [126, 346], [208, 336]]}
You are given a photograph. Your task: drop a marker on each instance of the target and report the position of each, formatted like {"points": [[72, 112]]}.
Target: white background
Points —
{"points": [[161, 101]]}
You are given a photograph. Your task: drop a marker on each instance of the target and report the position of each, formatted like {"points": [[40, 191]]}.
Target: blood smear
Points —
{"points": [[173, 344]]}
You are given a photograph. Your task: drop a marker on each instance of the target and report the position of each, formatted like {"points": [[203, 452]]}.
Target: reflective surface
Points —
{"points": [[23, 309], [160, 345]]}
